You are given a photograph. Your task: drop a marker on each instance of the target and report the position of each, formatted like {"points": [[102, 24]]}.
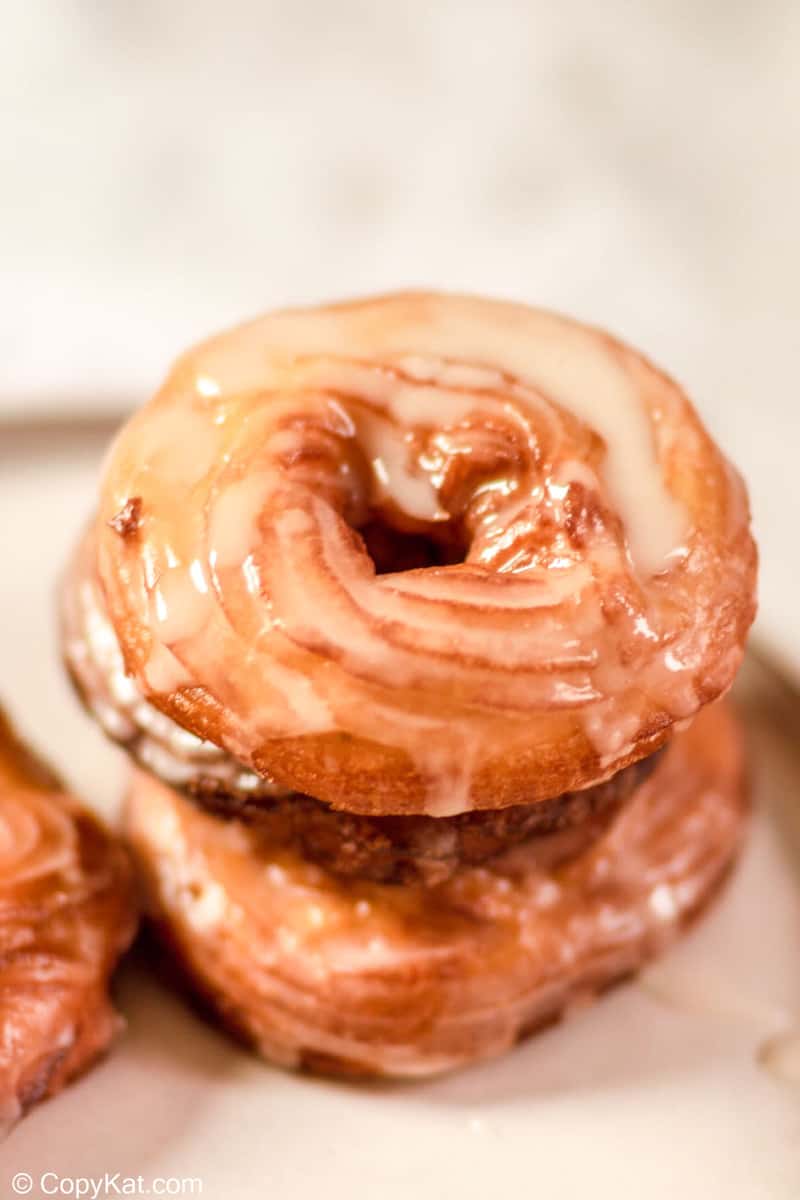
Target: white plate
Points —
{"points": [[656, 1092]]}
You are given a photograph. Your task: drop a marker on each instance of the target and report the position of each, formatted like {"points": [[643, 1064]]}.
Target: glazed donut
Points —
{"points": [[356, 978], [383, 848], [421, 554], [67, 913], [404, 848]]}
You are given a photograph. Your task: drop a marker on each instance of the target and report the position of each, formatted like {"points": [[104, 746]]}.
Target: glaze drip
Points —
{"points": [[360, 978], [597, 577]]}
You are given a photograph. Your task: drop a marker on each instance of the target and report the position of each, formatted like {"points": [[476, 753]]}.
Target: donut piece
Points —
{"points": [[383, 848], [421, 554], [354, 978], [67, 913], [430, 849]]}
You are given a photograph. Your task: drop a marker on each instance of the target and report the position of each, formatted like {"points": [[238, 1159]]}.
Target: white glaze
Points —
{"points": [[546, 437], [410, 980], [572, 365]]}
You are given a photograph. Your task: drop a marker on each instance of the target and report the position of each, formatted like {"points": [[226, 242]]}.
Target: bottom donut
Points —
{"points": [[67, 913], [354, 978]]}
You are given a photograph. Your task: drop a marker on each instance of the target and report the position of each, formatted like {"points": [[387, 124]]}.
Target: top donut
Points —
{"points": [[424, 553]]}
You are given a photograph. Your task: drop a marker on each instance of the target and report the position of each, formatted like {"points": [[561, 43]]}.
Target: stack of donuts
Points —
{"points": [[415, 613]]}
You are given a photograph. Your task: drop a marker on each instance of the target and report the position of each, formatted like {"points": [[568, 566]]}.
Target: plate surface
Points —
{"points": [[660, 1091]]}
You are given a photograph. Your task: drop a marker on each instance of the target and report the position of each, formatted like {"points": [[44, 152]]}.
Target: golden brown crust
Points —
{"points": [[429, 849], [388, 848], [67, 913], [422, 554], [353, 978]]}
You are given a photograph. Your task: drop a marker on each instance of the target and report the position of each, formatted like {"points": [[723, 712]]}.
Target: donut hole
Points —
{"points": [[393, 548]]}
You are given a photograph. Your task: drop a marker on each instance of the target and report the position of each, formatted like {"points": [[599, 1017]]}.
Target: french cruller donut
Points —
{"points": [[66, 915], [349, 977], [411, 595]]}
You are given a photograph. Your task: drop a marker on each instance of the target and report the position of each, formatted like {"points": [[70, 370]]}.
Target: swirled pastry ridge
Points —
{"points": [[67, 913], [590, 580], [349, 977]]}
